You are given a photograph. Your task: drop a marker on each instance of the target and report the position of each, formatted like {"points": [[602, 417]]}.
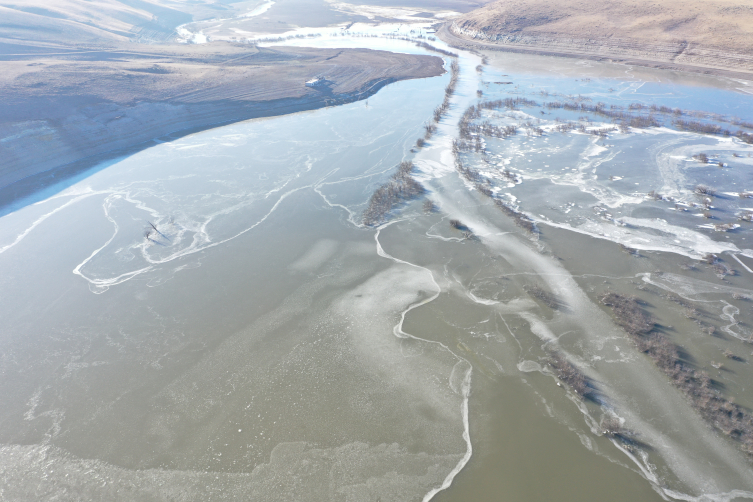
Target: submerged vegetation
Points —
{"points": [[400, 188], [568, 374], [726, 416], [457, 225], [547, 298]]}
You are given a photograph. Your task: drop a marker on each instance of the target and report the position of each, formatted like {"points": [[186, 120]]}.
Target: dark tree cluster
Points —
{"points": [[731, 419], [544, 296], [400, 188], [518, 217], [568, 374], [701, 127]]}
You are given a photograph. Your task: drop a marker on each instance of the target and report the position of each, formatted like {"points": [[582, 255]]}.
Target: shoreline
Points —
{"points": [[38, 183], [82, 119], [446, 34]]}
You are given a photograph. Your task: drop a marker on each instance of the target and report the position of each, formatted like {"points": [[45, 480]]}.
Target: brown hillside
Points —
{"points": [[714, 33]]}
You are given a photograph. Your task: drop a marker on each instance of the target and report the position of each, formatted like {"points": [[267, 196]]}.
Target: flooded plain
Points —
{"points": [[210, 319]]}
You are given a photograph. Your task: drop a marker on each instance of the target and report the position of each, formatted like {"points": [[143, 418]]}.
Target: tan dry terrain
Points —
{"points": [[78, 86], [686, 34], [58, 109]]}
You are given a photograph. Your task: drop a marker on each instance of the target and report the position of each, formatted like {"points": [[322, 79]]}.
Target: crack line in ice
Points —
{"points": [[466, 385], [741, 263], [41, 219], [192, 249]]}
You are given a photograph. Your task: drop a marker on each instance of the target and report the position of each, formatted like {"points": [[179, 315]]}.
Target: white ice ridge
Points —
{"points": [[41, 220], [198, 245], [674, 239]]}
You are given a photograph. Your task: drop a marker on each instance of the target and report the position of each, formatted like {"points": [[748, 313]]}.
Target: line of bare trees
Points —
{"points": [[442, 109], [706, 128], [432, 48], [660, 110], [568, 374], [615, 113], [626, 119], [728, 417], [400, 188]]}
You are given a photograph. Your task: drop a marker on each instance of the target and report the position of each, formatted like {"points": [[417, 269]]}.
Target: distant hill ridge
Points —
{"points": [[708, 33]]}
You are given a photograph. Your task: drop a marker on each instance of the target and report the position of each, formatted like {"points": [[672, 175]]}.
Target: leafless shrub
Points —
{"points": [[518, 217], [467, 172], [704, 190], [547, 298], [456, 224], [690, 313], [731, 355], [721, 270], [611, 426], [615, 113], [603, 131], [429, 206], [470, 133], [432, 48], [448, 91], [420, 142], [628, 250], [629, 313], [568, 374], [479, 93], [700, 127]]}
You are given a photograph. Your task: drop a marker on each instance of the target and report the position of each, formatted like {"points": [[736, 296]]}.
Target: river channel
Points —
{"points": [[210, 318]]}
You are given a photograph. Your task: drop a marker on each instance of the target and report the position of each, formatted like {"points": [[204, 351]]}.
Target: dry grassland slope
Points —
{"points": [[80, 22], [707, 33]]}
